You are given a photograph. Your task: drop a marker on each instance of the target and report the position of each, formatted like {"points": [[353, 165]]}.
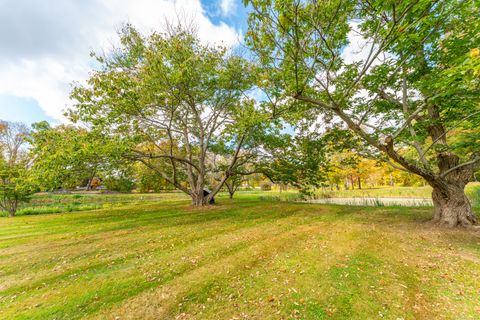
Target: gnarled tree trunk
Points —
{"points": [[451, 206]]}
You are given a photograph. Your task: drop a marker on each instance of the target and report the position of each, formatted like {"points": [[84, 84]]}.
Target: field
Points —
{"points": [[244, 259], [472, 190]]}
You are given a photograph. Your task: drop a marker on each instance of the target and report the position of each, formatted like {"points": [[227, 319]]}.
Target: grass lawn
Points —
{"points": [[241, 259]]}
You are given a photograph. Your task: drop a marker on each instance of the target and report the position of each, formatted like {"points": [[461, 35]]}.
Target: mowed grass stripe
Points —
{"points": [[95, 242], [239, 259], [125, 262]]}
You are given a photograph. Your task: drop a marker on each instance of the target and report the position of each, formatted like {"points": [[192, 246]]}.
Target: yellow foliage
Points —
{"points": [[475, 52]]}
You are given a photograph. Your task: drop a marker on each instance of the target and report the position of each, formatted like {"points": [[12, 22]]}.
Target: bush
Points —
{"points": [[119, 184]]}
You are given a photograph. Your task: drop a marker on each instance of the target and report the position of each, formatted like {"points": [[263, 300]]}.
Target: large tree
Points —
{"points": [[169, 97], [413, 83]]}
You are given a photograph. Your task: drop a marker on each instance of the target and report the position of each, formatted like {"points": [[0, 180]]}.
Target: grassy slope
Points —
{"points": [[238, 260]]}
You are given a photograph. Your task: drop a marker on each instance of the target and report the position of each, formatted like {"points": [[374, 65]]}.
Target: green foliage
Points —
{"points": [[16, 183], [66, 155], [417, 81], [119, 184], [298, 160], [15, 186], [172, 101], [266, 186]]}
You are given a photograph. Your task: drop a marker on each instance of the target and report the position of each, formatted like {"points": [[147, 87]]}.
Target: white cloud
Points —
{"points": [[227, 7], [46, 44], [359, 48]]}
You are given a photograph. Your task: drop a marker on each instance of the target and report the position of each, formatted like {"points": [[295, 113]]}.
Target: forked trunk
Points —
{"points": [[231, 189], [452, 207]]}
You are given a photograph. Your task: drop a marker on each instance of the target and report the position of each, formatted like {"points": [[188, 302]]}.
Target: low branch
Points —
{"points": [[167, 178], [393, 165], [166, 156], [468, 163]]}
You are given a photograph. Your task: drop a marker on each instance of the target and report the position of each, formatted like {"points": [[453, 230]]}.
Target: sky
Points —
{"points": [[45, 45]]}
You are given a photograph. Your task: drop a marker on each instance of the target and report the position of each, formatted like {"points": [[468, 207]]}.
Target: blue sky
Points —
{"points": [[41, 56], [21, 109]]}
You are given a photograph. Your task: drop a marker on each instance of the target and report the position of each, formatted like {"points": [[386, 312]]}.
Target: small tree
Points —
{"points": [[15, 186], [15, 183], [67, 156], [233, 183]]}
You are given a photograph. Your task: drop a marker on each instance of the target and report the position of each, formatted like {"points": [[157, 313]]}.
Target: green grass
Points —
{"points": [[241, 259], [472, 190], [45, 203]]}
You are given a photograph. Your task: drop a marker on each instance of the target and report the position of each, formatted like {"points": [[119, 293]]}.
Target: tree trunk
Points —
{"points": [[230, 188], [452, 207], [359, 183], [12, 209], [231, 191], [198, 199]]}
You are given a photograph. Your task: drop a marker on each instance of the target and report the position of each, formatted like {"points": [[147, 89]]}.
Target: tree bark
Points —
{"points": [[198, 199], [13, 209], [452, 208], [231, 189]]}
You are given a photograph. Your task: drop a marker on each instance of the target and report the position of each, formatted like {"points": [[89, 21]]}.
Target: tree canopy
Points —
{"points": [[413, 85], [169, 99]]}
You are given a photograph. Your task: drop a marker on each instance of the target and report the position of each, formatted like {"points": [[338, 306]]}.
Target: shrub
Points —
{"points": [[119, 184]]}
